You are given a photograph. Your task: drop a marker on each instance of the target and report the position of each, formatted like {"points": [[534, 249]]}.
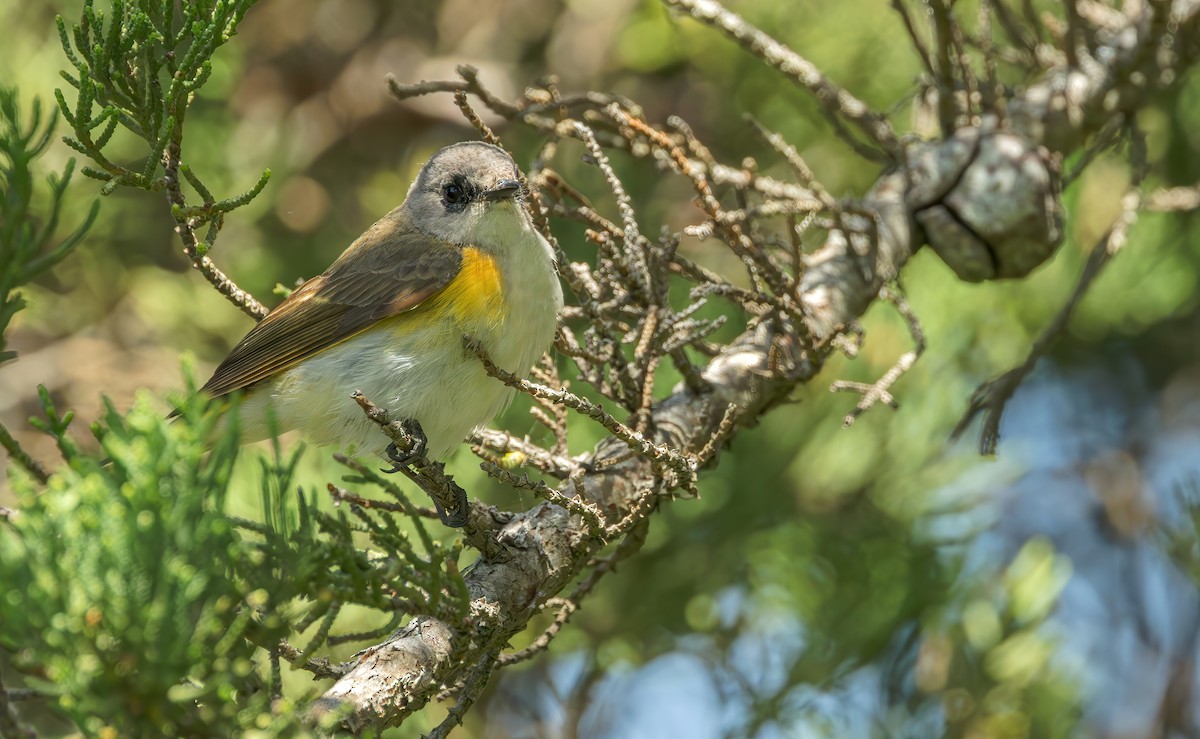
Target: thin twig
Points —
{"points": [[320, 667], [21, 457], [879, 391], [503, 443], [10, 726], [1105, 139], [472, 688], [275, 680], [485, 131], [835, 101], [749, 252], [1075, 35], [468, 83], [632, 236], [993, 90], [410, 509], [712, 447], [369, 635], [947, 107], [992, 396], [1014, 31], [914, 38], [430, 476], [1174, 199], [803, 172], [566, 609], [592, 517], [341, 495], [184, 226], [663, 457]]}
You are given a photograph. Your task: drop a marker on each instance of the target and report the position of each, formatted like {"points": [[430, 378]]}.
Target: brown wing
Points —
{"points": [[390, 269]]}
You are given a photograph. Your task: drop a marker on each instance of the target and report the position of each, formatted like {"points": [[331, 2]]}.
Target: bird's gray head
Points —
{"points": [[468, 193]]}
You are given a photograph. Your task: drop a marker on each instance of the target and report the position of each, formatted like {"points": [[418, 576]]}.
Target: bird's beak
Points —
{"points": [[503, 189]]}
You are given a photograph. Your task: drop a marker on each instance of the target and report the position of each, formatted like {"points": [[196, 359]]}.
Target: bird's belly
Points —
{"points": [[417, 367], [420, 372]]}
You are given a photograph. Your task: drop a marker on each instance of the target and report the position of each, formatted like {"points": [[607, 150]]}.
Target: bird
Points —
{"points": [[460, 257]]}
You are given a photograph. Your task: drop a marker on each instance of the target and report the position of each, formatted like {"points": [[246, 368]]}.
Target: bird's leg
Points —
{"points": [[442, 487], [416, 446], [431, 476]]}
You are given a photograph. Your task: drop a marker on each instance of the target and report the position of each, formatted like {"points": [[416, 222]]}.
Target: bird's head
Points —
{"points": [[468, 193]]}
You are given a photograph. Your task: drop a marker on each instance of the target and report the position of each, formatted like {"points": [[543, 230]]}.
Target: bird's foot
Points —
{"points": [[431, 476], [458, 511], [415, 449]]}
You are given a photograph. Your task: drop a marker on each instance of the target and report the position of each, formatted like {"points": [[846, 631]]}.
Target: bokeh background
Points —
{"points": [[880, 580]]}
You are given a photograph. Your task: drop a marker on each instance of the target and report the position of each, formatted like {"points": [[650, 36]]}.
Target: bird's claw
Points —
{"points": [[462, 510], [418, 444]]}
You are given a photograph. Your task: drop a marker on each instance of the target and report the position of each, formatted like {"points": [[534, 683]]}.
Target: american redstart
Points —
{"points": [[459, 257]]}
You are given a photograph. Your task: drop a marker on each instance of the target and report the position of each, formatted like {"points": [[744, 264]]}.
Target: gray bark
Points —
{"points": [[943, 194]]}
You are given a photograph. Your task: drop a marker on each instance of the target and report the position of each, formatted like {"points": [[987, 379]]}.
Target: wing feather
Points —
{"points": [[390, 269]]}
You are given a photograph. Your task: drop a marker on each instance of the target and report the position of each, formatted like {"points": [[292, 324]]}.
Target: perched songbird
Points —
{"points": [[460, 256]]}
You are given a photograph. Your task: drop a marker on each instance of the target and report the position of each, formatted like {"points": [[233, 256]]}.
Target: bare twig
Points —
{"points": [[991, 397], [371, 635], [836, 102], [320, 667], [947, 113], [634, 244], [879, 391], [803, 172], [724, 431], [592, 517], [993, 90], [742, 245], [1075, 35], [485, 131], [472, 688], [451, 500], [1103, 141], [469, 83], [340, 495], [409, 508], [1014, 30], [566, 609], [914, 38], [504, 443], [663, 456]]}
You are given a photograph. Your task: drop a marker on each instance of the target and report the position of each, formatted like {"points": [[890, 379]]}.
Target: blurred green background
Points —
{"points": [[877, 580]]}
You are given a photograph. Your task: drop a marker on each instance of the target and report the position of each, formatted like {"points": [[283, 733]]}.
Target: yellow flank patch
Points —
{"points": [[476, 295]]}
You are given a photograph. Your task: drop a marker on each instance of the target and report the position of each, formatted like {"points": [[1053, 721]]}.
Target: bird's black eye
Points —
{"points": [[456, 192]]}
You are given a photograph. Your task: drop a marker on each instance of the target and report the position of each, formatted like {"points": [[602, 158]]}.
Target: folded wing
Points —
{"points": [[389, 270]]}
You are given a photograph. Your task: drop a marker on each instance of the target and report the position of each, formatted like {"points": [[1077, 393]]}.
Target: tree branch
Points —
{"points": [[948, 186]]}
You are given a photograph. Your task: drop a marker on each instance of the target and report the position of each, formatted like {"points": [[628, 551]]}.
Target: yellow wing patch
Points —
{"points": [[476, 295]]}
